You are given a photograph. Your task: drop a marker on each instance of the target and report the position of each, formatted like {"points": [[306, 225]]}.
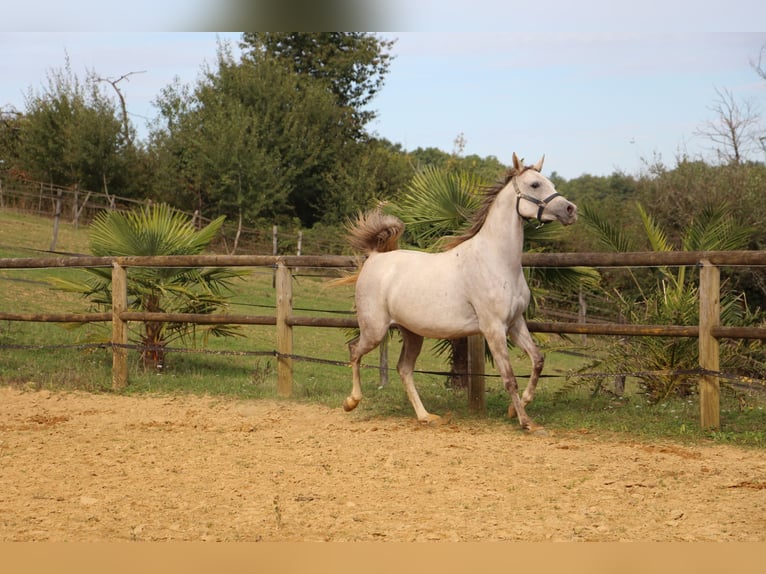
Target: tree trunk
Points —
{"points": [[458, 378]]}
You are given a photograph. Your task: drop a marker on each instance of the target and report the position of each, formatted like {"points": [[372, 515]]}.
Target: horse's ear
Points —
{"points": [[539, 165], [517, 163]]}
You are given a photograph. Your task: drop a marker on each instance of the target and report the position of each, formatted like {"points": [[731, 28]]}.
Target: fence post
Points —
{"points": [[284, 286], [476, 364], [582, 313], [274, 240], [56, 220], [119, 327], [710, 316]]}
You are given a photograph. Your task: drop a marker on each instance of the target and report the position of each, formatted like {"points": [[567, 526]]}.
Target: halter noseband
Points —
{"points": [[540, 203]]}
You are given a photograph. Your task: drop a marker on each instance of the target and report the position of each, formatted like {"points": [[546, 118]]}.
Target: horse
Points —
{"points": [[476, 285]]}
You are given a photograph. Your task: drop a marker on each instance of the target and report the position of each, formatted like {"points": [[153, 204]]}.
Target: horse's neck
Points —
{"points": [[501, 238]]}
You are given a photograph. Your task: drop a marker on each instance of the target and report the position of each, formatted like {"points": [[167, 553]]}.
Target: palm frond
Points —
{"points": [[153, 230], [438, 203], [607, 234], [658, 239], [715, 230]]}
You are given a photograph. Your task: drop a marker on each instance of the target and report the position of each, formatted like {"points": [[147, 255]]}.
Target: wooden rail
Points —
{"points": [[708, 331]]}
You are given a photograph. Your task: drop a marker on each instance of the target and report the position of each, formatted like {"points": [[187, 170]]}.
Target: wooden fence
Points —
{"points": [[708, 331], [80, 206]]}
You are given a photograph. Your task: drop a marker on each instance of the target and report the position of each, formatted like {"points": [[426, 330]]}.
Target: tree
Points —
{"points": [[255, 140], [374, 171], [251, 141], [760, 68], [352, 65], [128, 131], [10, 139], [158, 230], [71, 133], [733, 131], [485, 169]]}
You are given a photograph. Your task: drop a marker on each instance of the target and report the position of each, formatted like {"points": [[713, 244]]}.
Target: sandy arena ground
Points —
{"points": [[81, 467]]}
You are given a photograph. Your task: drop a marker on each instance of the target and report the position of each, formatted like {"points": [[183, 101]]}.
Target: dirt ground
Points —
{"points": [[81, 467]]}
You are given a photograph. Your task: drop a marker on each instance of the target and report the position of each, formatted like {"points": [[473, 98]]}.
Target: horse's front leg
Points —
{"points": [[520, 336], [496, 340]]}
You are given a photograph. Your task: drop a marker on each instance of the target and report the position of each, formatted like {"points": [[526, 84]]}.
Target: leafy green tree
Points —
{"points": [[240, 141], [71, 133], [10, 138], [352, 65], [158, 230], [485, 169], [375, 171], [256, 140]]}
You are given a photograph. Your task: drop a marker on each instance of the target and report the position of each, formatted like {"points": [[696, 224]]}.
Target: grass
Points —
{"points": [[242, 367]]}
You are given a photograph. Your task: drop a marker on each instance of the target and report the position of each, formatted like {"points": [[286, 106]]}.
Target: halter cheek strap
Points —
{"points": [[540, 203]]}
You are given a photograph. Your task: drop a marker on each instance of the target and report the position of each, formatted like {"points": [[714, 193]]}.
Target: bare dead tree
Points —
{"points": [[760, 68], [123, 106], [733, 131], [760, 65]]}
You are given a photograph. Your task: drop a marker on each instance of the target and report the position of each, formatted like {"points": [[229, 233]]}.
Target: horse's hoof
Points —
{"points": [[535, 430], [432, 420], [349, 404]]}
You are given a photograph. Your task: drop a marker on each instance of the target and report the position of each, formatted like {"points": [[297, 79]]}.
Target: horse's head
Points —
{"points": [[536, 196]]}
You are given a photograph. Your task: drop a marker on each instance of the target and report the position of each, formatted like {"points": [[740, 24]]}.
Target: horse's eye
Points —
{"points": [[535, 184]]}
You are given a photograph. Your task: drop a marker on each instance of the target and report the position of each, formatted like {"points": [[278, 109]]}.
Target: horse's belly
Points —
{"points": [[435, 316]]}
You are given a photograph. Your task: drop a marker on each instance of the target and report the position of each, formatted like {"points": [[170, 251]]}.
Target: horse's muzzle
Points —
{"points": [[567, 213]]}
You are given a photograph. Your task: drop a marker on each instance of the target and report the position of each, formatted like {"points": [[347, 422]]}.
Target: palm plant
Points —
{"points": [[158, 230], [672, 299], [437, 204]]}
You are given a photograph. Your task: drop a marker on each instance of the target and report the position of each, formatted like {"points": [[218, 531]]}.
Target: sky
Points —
{"points": [[603, 87]]}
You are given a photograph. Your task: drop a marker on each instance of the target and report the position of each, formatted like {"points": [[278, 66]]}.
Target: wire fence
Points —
{"points": [[81, 206], [285, 268], [744, 381]]}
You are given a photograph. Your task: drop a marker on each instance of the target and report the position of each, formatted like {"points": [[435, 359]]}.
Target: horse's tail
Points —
{"points": [[371, 232], [375, 231]]}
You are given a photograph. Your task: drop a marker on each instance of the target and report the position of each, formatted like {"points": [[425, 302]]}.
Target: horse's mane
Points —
{"points": [[490, 193]]}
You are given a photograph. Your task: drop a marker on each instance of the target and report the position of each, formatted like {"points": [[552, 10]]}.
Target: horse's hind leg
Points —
{"points": [[411, 346], [359, 347]]}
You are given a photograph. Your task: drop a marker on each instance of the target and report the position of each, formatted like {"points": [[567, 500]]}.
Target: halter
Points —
{"points": [[540, 203]]}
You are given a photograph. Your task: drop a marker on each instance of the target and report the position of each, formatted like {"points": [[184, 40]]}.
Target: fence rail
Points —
{"points": [[708, 331], [80, 206]]}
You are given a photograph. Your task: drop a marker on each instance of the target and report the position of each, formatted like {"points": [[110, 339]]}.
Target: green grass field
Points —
{"points": [[38, 355]]}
